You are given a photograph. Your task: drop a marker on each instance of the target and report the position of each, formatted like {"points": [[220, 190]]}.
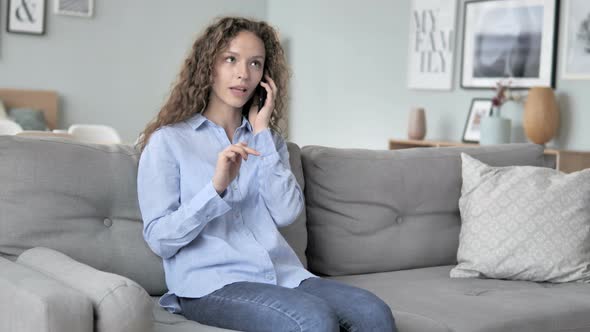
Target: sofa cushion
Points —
{"points": [[81, 199], [523, 223], [428, 300], [120, 305], [372, 211]]}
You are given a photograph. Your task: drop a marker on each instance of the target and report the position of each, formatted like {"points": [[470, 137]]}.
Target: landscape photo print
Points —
{"points": [[509, 39]]}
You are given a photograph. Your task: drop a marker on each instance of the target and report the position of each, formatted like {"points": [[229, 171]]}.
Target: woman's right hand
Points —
{"points": [[228, 164]]}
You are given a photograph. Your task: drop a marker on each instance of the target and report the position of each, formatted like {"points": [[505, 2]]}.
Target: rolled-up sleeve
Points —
{"points": [[169, 225], [278, 187]]}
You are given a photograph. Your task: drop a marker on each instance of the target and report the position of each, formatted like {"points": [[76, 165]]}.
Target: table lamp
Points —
{"points": [[541, 115]]}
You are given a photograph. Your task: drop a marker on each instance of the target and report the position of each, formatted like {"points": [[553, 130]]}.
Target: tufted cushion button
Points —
{"points": [[108, 222]]}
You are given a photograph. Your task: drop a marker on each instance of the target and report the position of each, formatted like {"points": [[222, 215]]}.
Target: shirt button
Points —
{"points": [[235, 186], [270, 276], [107, 222]]}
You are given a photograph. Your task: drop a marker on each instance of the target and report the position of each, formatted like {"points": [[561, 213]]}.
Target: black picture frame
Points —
{"points": [[526, 58], [26, 13], [479, 108]]}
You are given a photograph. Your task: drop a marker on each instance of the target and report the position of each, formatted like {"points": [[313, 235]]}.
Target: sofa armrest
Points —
{"points": [[120, 304], [32, 301]]}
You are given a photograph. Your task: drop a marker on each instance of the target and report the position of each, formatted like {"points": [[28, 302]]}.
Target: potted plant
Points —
{"points": [[494, 128]]}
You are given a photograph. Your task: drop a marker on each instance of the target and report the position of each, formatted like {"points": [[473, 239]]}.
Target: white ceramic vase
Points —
{"points": [[495, 129]]}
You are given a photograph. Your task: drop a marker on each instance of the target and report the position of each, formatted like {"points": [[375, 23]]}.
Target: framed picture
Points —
{"points": [[480, 107], [576, 59], [26, 16], [82, 8], [513, 39], [431, 44]]}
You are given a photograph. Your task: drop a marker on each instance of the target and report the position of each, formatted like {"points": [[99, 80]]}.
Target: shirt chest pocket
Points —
{"points": [[195, 175], [248, 179]]}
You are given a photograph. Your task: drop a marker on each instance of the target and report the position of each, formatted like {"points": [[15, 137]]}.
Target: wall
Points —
{"points": [[349, 87], [349, 61], [117, 67]]}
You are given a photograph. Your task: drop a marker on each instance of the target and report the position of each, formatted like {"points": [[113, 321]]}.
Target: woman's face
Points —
{"points": [[238, 70]]}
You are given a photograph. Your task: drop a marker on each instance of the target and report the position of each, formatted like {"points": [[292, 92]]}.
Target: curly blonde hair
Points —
{"points": [[190, 93]]}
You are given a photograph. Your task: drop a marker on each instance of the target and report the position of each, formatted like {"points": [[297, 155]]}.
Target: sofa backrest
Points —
{"points": [[374, 211], [81, 199]]}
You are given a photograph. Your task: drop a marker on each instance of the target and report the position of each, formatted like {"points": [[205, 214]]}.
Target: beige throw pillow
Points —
{"points": [[523, 223]]}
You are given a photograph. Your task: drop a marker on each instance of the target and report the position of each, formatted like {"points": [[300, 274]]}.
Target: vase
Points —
{"points": [[541, 115], [417, 124], [495, 129]]}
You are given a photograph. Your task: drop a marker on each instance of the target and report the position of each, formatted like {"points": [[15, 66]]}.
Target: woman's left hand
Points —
{"points": [[260, 120]]}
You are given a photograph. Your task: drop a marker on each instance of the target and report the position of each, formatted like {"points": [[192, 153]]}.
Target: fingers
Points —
{"points": [[272, 82], [249, 150], [269, 102], [269, 90], [235, 154], [239, 150], [231, 156], [244, 150], [270, 86]]}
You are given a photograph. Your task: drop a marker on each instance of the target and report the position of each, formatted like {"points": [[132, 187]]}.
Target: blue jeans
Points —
{"points": [[315, 305]]}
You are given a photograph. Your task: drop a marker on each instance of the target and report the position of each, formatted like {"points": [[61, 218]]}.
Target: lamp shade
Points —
{"points": [[541, 115]]}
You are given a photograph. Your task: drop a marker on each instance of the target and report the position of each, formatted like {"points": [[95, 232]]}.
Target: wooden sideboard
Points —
{"points": [[562, 160]]}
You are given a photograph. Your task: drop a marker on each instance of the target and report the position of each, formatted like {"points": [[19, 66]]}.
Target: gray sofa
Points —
{"points": [[386, 221]]}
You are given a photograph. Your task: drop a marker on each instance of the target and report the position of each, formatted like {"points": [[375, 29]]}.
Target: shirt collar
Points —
{"points": [[246, 122], [198, 120]]}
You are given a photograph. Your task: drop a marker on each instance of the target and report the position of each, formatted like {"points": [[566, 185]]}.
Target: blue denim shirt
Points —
{"points": [[209, 240]]}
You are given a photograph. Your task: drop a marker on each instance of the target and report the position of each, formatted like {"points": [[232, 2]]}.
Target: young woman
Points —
{"points": [[214, 184]]}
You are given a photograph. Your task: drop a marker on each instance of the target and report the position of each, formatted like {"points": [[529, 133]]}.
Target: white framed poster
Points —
{"points": [[26, 16], [432, 44], [576, 60]]}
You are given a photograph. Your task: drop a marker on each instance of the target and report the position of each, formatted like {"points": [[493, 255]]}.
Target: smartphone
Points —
{"points": [[259, 93]]}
